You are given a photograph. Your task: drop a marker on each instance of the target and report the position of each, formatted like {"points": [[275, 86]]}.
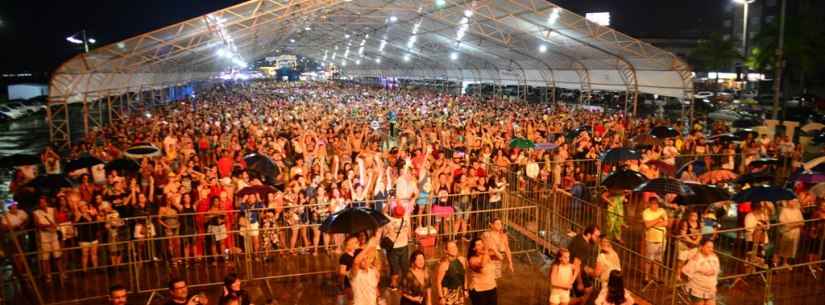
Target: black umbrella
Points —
{"points": [[575, 132], [261, 166], [82, 162], [623, 179], [256, 189], [19, 160], [753, 178], [745, 123], [819, 139], [764, 193], [123, 166], [617, 155], [353, 220], [742, 134], [703, 194], [46, 184], [664, 132], [763, 162], [142, 151], [646, 140], [698, 167], [665, 186], [724, 138]]}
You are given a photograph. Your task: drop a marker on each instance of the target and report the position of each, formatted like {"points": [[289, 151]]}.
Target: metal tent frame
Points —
{"points": [[505, 42]]}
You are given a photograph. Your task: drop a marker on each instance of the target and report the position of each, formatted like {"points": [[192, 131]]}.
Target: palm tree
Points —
{"points": [[715, 53], [803, 47]]}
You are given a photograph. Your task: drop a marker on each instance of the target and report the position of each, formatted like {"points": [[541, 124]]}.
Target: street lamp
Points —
{"points": [[745, 6], [83, 40]]}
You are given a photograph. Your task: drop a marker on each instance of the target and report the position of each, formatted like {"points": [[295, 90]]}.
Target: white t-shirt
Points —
{"points": [[403, 238], [364, 287], [702, 272], [46, 217]]}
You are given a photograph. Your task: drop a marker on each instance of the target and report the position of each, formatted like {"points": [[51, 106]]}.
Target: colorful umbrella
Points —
{"points": [[818, 190], [717, 176], [256, 189], [811, 178], [663, 167], [521, 143]]}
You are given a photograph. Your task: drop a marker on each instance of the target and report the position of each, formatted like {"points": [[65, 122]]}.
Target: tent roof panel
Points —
{"points": [[486, 35]]}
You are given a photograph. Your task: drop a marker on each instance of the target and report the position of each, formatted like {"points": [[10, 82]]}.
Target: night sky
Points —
{"points": [[33, 32]]}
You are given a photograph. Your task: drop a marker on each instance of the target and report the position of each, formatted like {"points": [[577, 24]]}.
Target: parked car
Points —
{"points": [[12, 112], [725, 115], [20, 107], [4, 118], [35, 105], [703, 95]]}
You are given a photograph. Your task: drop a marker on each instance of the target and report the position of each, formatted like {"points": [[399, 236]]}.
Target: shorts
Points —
{"points": [[399, 259], [453, 296], [686, 254], [462, 209], [219, 231], [49, 247], [87, 244], [252, 231], [558, 296], [654, 251], [696, 296]]}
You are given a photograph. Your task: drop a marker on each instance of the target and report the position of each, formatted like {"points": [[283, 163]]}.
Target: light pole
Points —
{"points": [[746, 4], [83, 41]]}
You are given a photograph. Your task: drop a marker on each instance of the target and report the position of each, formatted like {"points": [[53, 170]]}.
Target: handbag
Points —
{"points": [[387, 243]]}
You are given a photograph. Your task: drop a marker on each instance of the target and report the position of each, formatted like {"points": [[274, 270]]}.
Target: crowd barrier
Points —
{"points": [[148, 262], [744, 264]]}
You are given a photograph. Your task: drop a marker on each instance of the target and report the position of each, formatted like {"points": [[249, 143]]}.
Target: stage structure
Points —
{"points": [[500, 42]]}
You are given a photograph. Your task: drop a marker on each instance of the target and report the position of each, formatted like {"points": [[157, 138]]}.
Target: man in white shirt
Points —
{"points": [[47, 237], [398, 230], [655, 221], [756, 223]]}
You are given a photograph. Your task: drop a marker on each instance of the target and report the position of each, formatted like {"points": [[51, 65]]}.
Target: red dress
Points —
{"points": [[200, 222], [228, 206]]}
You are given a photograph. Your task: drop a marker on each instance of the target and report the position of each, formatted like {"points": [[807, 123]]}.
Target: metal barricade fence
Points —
{"points": [[149, 253], [562, 216]]}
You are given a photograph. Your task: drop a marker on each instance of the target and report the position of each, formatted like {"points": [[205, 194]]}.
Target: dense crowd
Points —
{"points": [[403, 153]]}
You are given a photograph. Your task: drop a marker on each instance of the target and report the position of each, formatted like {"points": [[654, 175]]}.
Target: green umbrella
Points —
{"points": [[521, 143]]}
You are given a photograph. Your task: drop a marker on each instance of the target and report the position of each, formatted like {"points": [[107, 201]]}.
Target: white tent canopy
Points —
{"points": [[506, 42], [529, 42]]}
